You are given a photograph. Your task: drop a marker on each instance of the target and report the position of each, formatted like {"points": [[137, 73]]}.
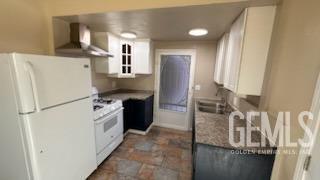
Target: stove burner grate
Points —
{"points": [[101, 100], [97, 107]]}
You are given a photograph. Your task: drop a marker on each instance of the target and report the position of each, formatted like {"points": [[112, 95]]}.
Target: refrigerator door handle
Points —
{"points": [[30, 71]]}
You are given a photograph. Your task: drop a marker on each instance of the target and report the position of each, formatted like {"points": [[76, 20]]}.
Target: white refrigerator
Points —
{"points": [[46, 126]]}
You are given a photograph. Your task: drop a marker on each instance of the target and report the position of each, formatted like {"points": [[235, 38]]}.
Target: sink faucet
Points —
{"points": [[220, 88], [224, 94]]}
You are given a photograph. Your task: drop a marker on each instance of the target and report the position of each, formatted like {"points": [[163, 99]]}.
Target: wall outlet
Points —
{"points": [[197, 87]]}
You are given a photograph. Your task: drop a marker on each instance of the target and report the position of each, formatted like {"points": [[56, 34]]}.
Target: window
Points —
{"points": [[174, 82], [126, 58]]}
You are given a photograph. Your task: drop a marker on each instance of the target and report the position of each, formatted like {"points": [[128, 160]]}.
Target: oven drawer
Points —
{"points": [[108, 128], [108, 149]]}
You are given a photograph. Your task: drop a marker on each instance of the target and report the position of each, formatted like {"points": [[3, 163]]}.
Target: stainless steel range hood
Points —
{"points": [[80, 44]]}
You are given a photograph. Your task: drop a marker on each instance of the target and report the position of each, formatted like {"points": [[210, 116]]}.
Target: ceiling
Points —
{"points": [[168, 23]]}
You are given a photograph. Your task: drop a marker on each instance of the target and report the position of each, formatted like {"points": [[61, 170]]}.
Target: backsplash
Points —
{"points": [[101, 81], [241, 103], [244, 105]]}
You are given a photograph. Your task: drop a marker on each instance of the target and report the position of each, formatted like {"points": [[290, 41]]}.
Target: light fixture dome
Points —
{"points": [[198, 32], [129, 35]]}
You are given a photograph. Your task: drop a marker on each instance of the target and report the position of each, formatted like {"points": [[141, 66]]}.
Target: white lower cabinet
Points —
{"points": [[248, 47], [131, 57]]}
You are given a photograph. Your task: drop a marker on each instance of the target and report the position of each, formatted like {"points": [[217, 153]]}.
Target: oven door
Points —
{"points": [[108, 128]]}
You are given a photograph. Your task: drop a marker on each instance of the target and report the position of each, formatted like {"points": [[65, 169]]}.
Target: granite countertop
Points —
{"points": [[128, 94], [213, 129]]}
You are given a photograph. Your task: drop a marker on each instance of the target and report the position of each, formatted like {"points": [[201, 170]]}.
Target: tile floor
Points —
{"points": [[163, 154]]}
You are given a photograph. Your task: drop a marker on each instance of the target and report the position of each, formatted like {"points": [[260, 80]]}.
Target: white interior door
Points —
{"points": [[310, 170], [174, 79]]}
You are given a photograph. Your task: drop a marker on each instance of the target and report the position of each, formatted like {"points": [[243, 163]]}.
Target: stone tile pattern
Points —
{"points": [[163, 154]]}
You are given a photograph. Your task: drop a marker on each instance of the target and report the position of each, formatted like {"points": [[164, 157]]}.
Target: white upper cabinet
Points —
{"points": [[248, 48], [233, 56], [220, 59], [110, 43], [131, 57], [143, 53]]}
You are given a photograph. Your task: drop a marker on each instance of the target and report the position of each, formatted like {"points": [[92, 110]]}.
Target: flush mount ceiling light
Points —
{"points": [[198, 32], [129, 35]]}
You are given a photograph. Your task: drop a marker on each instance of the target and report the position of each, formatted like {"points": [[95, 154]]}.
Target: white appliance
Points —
{"points": [[108, 120], [46, 128]]}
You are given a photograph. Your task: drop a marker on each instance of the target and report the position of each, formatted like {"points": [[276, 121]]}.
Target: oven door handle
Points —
{"points": [[110, 116]]}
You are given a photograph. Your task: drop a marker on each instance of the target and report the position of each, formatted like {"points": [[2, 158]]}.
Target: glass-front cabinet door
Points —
{"points": [[126, 58]]}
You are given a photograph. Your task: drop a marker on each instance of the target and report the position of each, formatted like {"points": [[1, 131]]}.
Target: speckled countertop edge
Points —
{"points": [[124, 95]]}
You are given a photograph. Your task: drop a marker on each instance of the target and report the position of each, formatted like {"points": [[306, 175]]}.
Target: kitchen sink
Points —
{"points": [[211, 110], [211, 106], [218, 104]]}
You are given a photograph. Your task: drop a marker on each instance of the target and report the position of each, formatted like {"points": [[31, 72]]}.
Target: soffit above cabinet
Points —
{"points": [[168, 23]]}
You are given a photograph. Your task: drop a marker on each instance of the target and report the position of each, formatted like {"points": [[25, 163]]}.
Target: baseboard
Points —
{"points": [[135, 131]]}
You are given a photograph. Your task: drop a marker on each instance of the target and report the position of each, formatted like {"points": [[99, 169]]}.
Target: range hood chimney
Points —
{"points": [[80, 44]]}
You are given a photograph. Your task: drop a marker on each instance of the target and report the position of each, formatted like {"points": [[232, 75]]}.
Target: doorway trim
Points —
{"points": [[189, 114], [315, 127]]}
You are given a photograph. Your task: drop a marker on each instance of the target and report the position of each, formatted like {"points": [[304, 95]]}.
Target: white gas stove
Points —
{"points": [[108, 120]]}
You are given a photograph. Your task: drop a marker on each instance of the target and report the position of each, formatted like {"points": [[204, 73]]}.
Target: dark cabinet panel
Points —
{"points": [[219, 163], [127, 117], [149, 111], [142, 113], [138, 114]]}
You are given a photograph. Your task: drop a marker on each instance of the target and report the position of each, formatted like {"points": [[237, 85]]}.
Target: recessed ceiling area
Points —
{"points": [[168, 24]]}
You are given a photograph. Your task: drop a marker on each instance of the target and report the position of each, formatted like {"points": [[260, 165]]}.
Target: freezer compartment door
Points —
{"points": [[46, 81], [61, 141]]}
